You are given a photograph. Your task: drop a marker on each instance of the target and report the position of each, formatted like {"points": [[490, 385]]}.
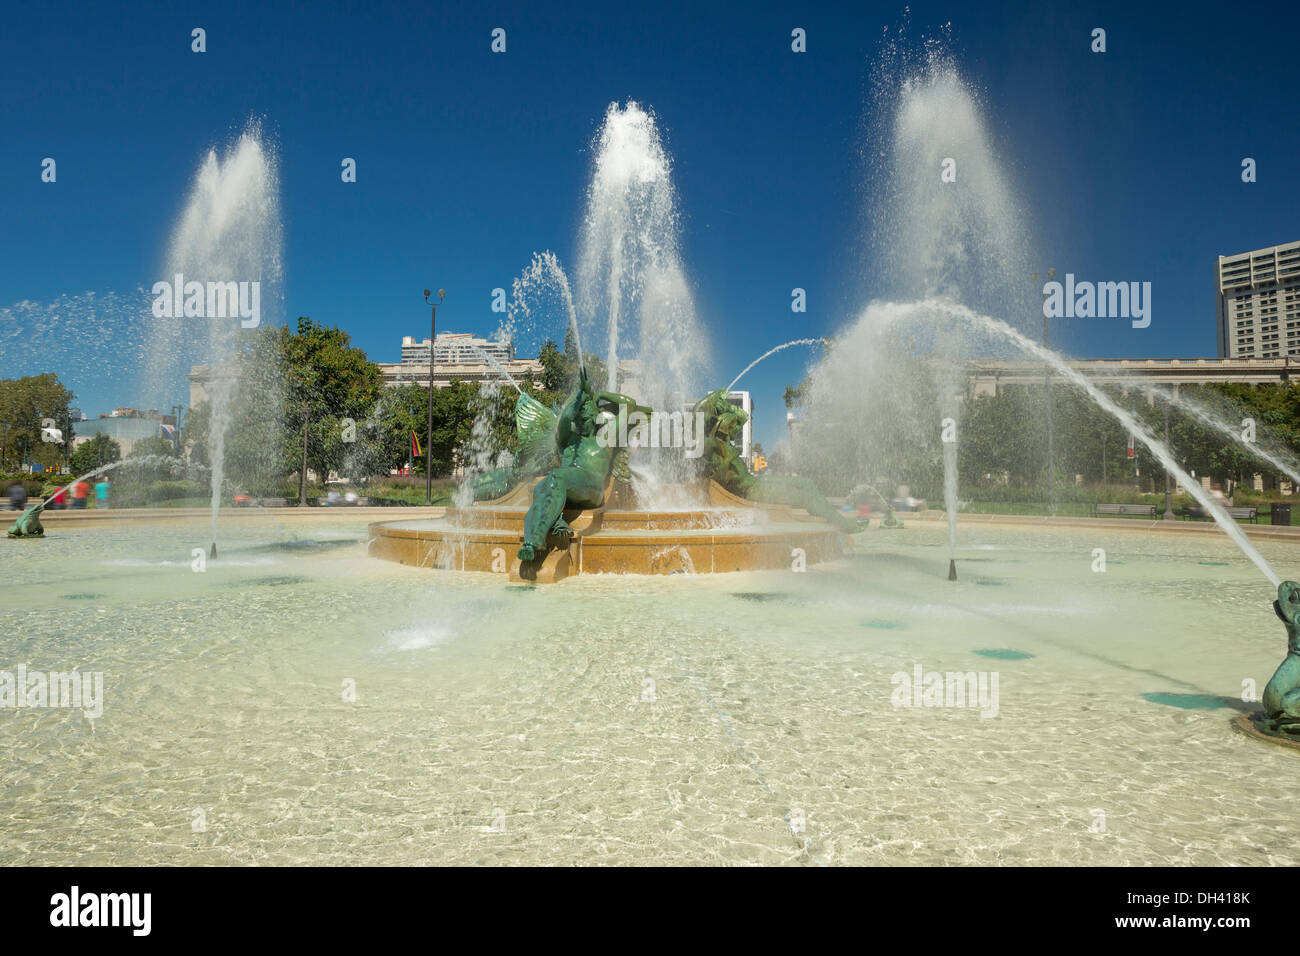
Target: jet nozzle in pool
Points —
{"points": [[952, 569]]}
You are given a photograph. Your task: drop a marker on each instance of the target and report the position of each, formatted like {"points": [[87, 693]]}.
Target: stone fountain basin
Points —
{"points": [[731, 534]]}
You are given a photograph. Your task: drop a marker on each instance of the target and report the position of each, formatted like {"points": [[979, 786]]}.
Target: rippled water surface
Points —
{"points": [[299, 702]]}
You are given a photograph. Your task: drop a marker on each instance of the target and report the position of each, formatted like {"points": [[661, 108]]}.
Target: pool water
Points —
{"points": [[297, 702]]}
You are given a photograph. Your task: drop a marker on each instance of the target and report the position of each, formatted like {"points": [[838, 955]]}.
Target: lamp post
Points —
{"points": [[428, 435], [1169, 508], [4, 434], [302, 475], [1047, 388]]}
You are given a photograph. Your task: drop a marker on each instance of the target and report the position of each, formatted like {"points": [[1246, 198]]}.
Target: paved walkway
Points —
{"points": [[94, 517], [1263, 532]]}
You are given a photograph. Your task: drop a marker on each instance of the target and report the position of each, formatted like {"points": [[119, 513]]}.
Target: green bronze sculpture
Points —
{"points": [[1282, 693], [29, 524], [535, 455], [722, 425], [584, 464]]}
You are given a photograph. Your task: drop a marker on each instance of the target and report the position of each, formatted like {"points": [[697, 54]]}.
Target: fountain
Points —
{"points": [[647, 506], [571, 508], [631, 288], [29, 524], [772, 351], [680, 716], [542, 273], [945, 221], [227, 237]]}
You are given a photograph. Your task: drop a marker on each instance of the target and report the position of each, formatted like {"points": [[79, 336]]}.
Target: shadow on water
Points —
{"points": [[307, 546], [1200, 702], [268, 582], [1002, 654], [768, 597]]}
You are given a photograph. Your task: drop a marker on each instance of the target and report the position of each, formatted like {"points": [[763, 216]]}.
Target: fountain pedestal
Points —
{"points": [[725, 533]]}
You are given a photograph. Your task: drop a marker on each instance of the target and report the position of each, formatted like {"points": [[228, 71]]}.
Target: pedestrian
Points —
{"points": [[101, 493], [59, 501], [80, 492], [17, 496]]}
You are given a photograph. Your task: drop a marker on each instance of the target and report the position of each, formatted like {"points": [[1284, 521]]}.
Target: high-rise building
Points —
{"points": [[1258, 302], [456, 348]]}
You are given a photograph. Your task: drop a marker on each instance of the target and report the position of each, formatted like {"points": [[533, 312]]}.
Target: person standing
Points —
{"points": [[101, 493], [60, 500], [80, 492], [17, 496]]}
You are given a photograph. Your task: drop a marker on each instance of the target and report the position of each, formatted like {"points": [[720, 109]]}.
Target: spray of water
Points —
{"points": [[1229, 430], [631, 287], [479, 455], [944, 220], [90, 474], [779, 348], [228, 231], [629, 265], [96, 340], [498, 366], [543, 274], [931, 309]]}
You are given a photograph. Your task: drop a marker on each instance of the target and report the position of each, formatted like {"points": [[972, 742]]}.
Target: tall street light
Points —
{"points": [[1169, 509], [1047, 387], [428, 435]]}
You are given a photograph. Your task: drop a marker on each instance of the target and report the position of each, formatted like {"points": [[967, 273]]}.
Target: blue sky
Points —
{"points": [[468, 162]]}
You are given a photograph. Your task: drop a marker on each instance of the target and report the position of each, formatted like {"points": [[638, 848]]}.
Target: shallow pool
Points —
{"points": [[298, 702]]}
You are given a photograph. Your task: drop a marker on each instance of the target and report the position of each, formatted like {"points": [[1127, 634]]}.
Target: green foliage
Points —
{"points": [[890, 431], [330, 387], [555, 367], [24, 404], [1006, 435], [35, 487], [167, 490], [157, 446], [99, 451], [312, 386]]}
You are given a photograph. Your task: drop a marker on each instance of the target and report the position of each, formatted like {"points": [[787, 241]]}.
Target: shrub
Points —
{"points": [[35, 486], [168, 490]]}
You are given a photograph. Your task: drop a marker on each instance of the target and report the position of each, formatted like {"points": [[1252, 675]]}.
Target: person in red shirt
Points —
{"points": [[80, 492], [59, 501]]}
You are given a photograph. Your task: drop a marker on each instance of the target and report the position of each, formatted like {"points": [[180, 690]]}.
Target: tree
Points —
{"points": [[311, 380], [555, 367], [258, 452], [25, 404], [95, 453], [153, 447], [327, 381]]}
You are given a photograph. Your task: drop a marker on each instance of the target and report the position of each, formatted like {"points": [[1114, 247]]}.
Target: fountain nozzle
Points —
{"points": [[952, 569], [213, 552]]}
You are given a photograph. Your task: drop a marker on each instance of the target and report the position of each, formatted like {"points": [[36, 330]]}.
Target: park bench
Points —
{"points": [[1143, 511], [1240, 514]]}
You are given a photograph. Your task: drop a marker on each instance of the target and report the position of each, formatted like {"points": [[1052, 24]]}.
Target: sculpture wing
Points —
{"points": [[535, 424]]}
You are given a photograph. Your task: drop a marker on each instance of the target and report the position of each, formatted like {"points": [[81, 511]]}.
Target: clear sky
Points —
{"points": [[1129, 162]]}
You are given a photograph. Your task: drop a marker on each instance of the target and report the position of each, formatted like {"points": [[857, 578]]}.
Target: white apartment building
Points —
{"points": [[1258, 303], [456, 348]]}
